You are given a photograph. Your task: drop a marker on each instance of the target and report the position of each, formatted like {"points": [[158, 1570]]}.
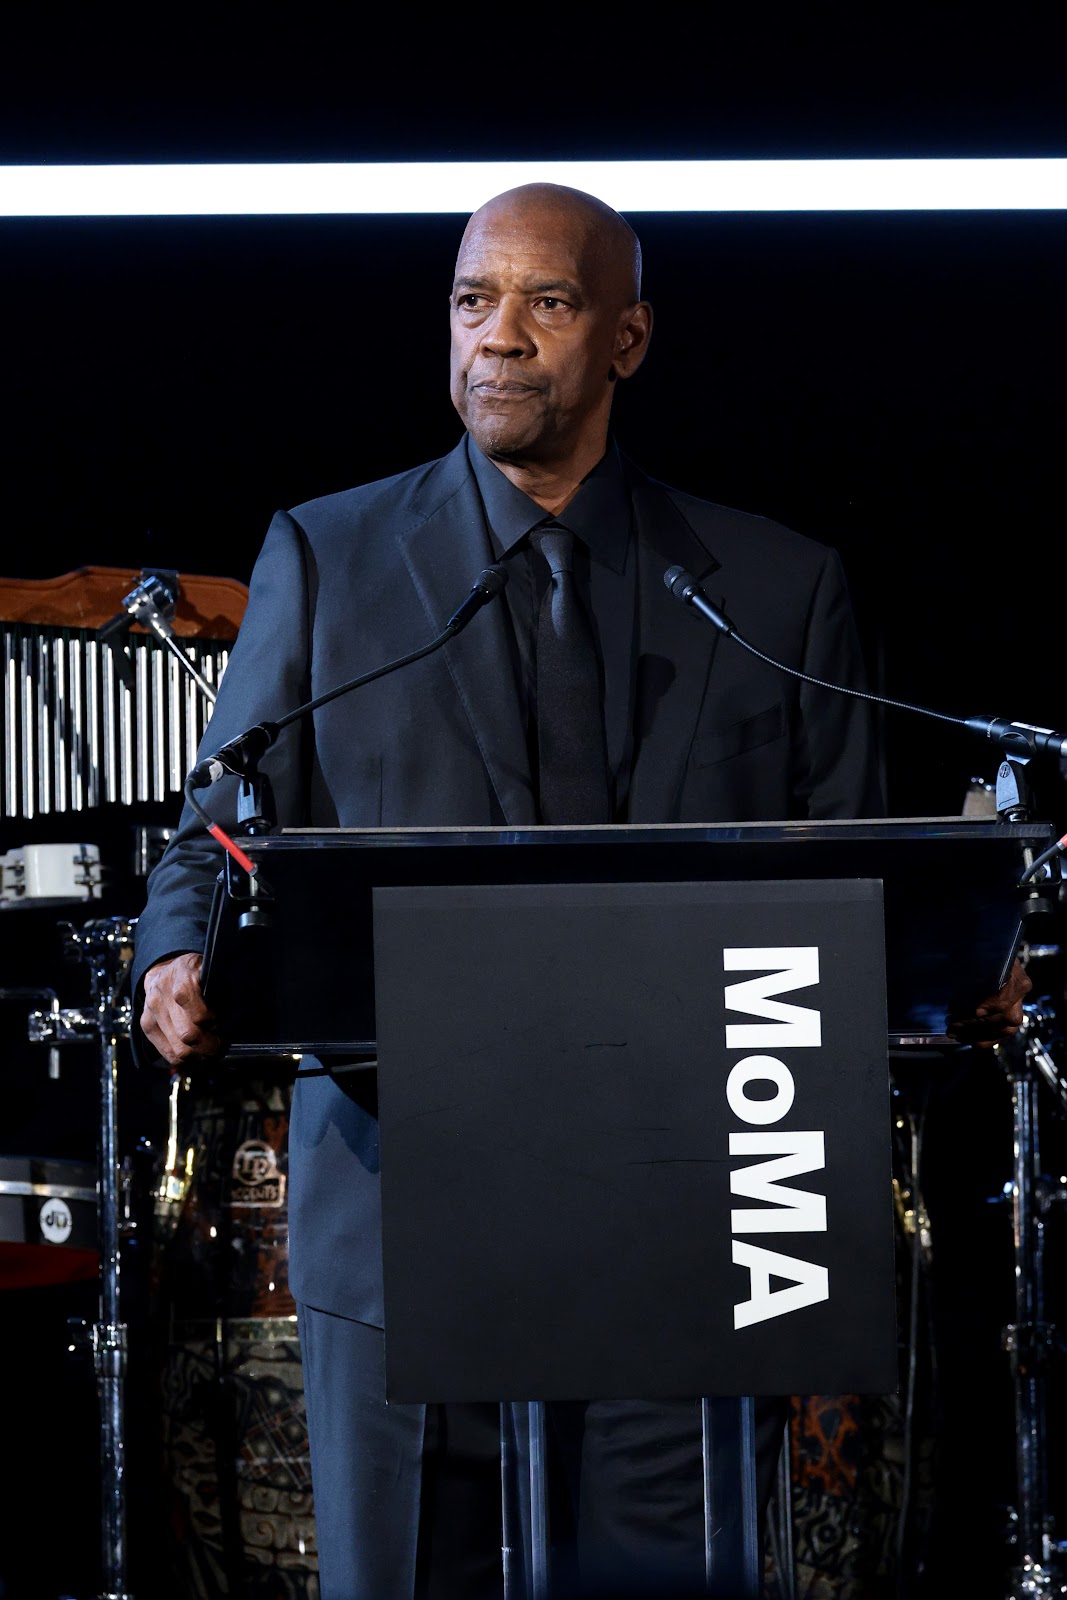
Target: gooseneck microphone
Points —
{"points": [[240, 757], [685, 588], [1019, 739]]}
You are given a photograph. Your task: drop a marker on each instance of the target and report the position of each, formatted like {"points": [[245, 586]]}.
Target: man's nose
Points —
{"points": [[506, 333]]}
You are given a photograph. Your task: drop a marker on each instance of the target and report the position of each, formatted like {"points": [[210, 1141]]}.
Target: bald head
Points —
{"points": [[607, 241], [546, 316]]}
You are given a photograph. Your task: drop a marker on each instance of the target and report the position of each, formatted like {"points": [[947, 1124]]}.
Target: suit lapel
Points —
{"points": [[444, 554], [676, 651]]}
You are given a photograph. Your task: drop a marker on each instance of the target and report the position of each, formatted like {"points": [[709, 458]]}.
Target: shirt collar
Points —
{"points": [[599, 514]]}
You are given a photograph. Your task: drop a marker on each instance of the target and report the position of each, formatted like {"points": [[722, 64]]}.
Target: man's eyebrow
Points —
{"points": [[554, 286], [540, 286]]}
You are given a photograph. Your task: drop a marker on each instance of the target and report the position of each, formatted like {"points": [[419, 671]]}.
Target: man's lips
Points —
{"points": [[503, 389]]}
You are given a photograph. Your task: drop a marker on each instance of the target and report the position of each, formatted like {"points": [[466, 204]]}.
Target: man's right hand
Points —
{"points": [[175, 1018]]}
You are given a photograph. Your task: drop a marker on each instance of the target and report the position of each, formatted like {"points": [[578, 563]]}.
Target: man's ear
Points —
{"points": [[631, 340]]}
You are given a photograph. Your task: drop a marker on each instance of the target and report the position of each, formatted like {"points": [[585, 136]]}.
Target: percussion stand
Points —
{"points": [[1030, 1341], [106, 946]]}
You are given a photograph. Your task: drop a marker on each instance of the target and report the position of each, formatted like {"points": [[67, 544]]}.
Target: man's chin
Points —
{"points": [[502, 443]]}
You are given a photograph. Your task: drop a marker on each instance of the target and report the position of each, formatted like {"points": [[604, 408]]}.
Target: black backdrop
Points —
{"points": [[890, 383]]}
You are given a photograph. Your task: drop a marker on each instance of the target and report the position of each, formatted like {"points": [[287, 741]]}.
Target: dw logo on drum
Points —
{"points": [[256, 1179], [56, 1221]]}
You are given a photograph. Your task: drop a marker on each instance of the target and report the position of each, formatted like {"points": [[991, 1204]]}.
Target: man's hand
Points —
{"points": [[998, 1017], [175, 1017]]}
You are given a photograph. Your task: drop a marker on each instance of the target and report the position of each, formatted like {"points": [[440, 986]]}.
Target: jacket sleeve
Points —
{"points": [[836, 762], [267, 675]]}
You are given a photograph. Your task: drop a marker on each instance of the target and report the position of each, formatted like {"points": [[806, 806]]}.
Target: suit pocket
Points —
{"points": [[719, 744]]}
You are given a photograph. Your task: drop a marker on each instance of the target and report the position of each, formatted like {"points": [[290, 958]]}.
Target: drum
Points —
{"points": [[48, 1222], [50, 874], [234, 1430]]}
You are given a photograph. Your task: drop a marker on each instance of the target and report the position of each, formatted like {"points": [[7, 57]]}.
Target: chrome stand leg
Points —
{"points": [[106, 947], [785, 1553], [526, 1561], [731, 1543], [109, 1334], [1029, 1341], [538, 1502]]}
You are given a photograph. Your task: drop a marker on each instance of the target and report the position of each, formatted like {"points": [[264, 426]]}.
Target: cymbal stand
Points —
{"points": [[106, 946], [1030, 1341]]}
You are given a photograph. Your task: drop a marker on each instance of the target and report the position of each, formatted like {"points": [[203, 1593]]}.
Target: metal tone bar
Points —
{"points": [[193, 697], [126, 772], [186, 660], [109, 725], [44, 740], [60, 725], [207, 706], [93, 720], [26, 694], [142, 708], [159, 725], [11, 706], [174, 730], [75, 665]]}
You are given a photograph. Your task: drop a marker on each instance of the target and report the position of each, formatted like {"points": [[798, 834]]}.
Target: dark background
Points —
{"points": [[892, 384]]}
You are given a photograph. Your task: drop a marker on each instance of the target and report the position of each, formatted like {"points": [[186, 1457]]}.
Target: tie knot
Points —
{"points": [[556, 544]]}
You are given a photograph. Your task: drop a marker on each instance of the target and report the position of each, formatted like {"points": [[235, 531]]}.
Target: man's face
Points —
{"points": [[536, 320]]}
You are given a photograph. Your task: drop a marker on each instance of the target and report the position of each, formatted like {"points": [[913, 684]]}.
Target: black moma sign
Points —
{"points": [[635, 1140]]}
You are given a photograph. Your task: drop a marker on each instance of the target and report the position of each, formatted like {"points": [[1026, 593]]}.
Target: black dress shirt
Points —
{"points": [[601, 518]]}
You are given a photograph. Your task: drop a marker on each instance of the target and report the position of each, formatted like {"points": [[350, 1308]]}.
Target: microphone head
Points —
{"points": [[492, 581], [678, 580]]}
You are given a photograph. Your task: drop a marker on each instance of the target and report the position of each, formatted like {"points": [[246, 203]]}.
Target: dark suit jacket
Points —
{"points": [[355, 579]]}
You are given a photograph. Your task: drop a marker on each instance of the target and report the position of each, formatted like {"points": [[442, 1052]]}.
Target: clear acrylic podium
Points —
{"points": [[634, 1101]]}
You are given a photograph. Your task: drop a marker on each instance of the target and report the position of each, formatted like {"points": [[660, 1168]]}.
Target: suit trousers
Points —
{"points": [[408, 1498]]}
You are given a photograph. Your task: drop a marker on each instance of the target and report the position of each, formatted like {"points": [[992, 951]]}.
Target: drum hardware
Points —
{"points": [[1030, 1341], [151, 602], [48, 1221], [178, 1163], [50, 874], [53, 1015], [149, 843], [106, 948]]}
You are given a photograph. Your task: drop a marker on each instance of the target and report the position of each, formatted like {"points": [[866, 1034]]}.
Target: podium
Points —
{"points": [[633, 1094]]}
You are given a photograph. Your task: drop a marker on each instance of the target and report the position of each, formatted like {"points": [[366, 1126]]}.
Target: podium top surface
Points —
{"points": [[875, 829], [953, 909]]}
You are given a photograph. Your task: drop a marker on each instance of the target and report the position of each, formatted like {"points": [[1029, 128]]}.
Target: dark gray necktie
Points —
{"points": [[572, 759]]}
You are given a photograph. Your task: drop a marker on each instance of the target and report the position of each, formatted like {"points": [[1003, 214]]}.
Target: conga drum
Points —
{"points": [[862, 1467], [233, 1425]]}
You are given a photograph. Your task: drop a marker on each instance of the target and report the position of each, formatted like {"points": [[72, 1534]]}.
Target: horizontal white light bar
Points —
{"points": [[350, 188]]}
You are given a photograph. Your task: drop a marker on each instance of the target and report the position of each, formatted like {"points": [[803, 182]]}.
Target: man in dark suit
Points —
{"points": [[546, 319]]}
